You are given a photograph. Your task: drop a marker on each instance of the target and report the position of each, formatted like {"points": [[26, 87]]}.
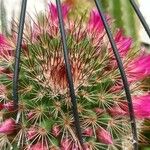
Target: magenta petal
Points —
{"points": [[123, 43], [3, 40], [54, 12], [124, 46], [142, 106], [4, 44], [6, 50], [95, 23], [119, 35], [139, 68]]}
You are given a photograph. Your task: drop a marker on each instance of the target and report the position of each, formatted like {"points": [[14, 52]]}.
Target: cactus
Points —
{"points": [[3, 17], [124, 16], [44, 116]]}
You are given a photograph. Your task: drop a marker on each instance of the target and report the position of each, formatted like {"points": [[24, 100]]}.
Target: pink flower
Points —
{"points": [[88, 132], [104, 136], [95, 27], [6, 50], [138, 68], [38, 146], [52, 28], [8, 126], [56, 130], [54, 13], [95, 23], [123, 43], [141, 106], [4, 42]]}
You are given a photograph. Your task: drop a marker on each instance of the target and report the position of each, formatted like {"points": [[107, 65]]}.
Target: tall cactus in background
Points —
{"points": [[124, 16], [3, 21]]}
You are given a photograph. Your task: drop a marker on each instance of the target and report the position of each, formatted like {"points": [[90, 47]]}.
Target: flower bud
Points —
{"points": [[88, 132], [66, 144], [98, 111], [104, 136], [56, 130], [8, 126], [31, 133], [30, 115], [117, 111]]}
